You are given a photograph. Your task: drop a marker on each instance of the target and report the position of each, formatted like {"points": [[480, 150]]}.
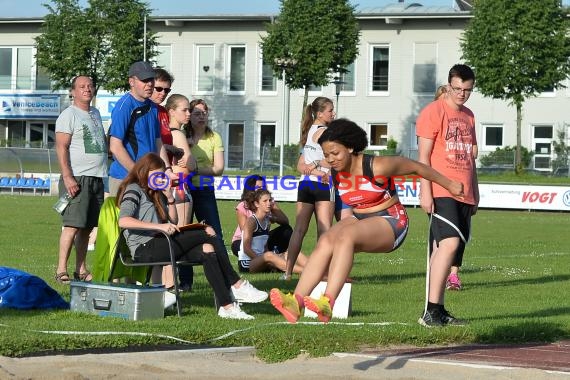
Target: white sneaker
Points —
{"points": [[233, 312], [169, 299], [247, 293]]}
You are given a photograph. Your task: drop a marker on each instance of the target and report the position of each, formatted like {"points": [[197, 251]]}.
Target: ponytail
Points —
{"points": [[310, 114]]}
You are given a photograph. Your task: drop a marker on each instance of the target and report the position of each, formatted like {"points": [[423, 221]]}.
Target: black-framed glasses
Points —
{"points": [[200, 113], [165, 89], [459, 90]]}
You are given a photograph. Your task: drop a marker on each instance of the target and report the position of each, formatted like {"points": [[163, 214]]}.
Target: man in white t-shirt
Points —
{"points": [[82, 155]]}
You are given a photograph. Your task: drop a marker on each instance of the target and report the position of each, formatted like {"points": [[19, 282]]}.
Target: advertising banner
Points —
{"points": [[523, 197], [29, 106], [105, 105]]}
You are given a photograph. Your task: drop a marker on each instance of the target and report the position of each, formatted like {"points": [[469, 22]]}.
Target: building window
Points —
{"points": [[36, 133], [18, 70], [164, 57], [267, 141], [348, 79], [493, 136], [50, 137], [23, 69], [541, 163], [236, 80], [379, 135], [413, 137], [543, 132], [6, 68], [16, 133], [267, 81], [413, 149], [425, 67], [542, 144], [235, 145], [43, 81], [379, 75], [205, 69]]}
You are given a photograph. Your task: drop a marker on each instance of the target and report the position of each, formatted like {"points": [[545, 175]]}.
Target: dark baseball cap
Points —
{"points": [[141, 70]]}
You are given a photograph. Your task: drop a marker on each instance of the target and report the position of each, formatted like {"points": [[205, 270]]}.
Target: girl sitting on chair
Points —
{"points": [[146, 203]]}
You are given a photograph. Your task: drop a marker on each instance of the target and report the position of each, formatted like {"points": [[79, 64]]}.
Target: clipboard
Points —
{"points": [[193, 226]]}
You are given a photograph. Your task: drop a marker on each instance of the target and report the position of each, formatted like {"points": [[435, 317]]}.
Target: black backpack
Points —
{"points": [[130, 136]]}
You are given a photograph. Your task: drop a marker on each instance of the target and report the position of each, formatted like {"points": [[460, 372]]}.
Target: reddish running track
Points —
{"points": [[553, 357]]}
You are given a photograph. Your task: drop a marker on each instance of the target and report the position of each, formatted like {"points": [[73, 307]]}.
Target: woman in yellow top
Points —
{"points": [[207, 149]]}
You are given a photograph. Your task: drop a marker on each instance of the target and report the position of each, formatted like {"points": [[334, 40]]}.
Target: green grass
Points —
{"points": [[523, 179], [516, 276]]}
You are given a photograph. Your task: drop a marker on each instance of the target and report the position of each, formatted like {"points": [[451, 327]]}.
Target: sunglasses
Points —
{"points": [[165, 89]]}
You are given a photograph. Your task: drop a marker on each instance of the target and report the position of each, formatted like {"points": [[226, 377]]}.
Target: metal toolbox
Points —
{"points": [[118, 300]]}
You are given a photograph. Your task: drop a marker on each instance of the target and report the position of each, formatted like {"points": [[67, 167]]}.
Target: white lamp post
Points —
{"points": [[284, 64], [144, 38]]}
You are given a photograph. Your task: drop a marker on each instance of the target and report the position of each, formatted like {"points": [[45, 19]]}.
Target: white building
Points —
{"points": [[405, 52]]}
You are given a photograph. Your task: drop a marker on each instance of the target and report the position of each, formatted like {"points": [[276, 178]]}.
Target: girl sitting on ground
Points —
{"points": [[278, 237], [254, 254]]}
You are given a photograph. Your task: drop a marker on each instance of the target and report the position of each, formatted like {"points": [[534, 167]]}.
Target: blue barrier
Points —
{"points": [[21, 185]]}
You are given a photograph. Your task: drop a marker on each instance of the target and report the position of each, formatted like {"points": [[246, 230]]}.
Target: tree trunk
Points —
{"points": [[305, 102], [518, 163], [94, 100]]}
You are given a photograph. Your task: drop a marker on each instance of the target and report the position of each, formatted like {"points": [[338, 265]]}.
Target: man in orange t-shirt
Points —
{"points": [[446, 136]]}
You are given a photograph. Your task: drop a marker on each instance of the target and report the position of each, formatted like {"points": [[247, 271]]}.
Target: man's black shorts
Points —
{"points": [[450, 216]]}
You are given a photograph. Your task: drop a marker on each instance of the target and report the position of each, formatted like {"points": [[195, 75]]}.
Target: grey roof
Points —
{"points": [[415, 9], [465, 5], [402, 9]]}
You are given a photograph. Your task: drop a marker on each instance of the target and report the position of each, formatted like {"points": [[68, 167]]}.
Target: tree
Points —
{"points": [[322, 36], [518, 49], [561, 151], [101, 41], [505, 157]]}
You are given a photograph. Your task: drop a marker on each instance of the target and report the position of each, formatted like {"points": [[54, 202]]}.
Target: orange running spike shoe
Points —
{"points": [[286, 304], [321, 307]]}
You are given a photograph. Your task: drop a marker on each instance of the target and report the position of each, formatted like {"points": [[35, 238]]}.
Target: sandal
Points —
{"points": [[62, 278], [85, 276]]}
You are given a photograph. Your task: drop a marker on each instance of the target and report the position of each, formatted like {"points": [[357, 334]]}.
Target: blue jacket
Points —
{"points": [[21, 290]]}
